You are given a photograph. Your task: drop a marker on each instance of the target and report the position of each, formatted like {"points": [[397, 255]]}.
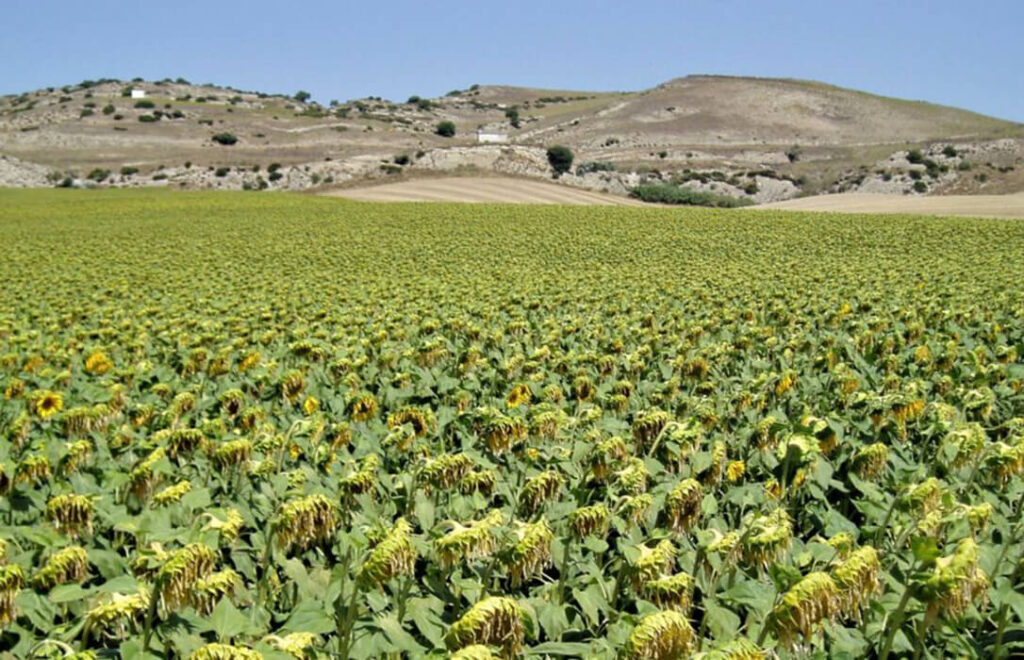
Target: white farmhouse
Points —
{"points": [[138, 93], [485, 136]]}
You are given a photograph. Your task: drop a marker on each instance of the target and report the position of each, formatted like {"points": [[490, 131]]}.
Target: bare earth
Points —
{"points": [[481, 190], [977, 206]]}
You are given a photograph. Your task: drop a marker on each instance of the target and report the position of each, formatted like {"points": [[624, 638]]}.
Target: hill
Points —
{"points": [[766, 139]]}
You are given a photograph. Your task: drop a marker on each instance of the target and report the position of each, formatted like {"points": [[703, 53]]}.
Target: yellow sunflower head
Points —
{"points": [[48, 404]]}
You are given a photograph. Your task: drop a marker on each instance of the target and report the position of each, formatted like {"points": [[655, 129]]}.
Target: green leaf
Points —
{"points": [[398, 636], [571, 649], [68, 593], [132, 650], [925, 549], [592, 602], [757, 596], [722, 622], [552, 619], [310, 616], [426, 614], [227, 621]]}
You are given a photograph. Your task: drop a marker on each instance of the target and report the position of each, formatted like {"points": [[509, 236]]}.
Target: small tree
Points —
{"points": [[560, 158], [446, 129], [302, 96], [512, 114], [226, 139]]}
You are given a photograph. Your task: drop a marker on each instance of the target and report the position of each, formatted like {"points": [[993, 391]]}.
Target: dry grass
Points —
{"points": [[980, 206], [503, 190]]}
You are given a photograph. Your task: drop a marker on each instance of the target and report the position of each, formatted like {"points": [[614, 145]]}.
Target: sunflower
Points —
{"points": [[47, 404], [735, 471], [98, 363]]}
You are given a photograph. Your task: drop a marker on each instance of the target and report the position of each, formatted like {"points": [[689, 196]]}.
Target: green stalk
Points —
{"points": [[564, 570], [895, 624]]}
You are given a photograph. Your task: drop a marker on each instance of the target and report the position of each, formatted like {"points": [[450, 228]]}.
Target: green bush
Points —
{"points": [[144, 103], [148, 119], [512, 114], [950, 151], [915, 157], [109, 109], [402, 159], [275, 176], [86, 112], [751, 189], [446, 129], [560, 158], [225, 139], [128, 170], [302, 96], [98, 175], [664, 193], [221, 171], [920, 187]]}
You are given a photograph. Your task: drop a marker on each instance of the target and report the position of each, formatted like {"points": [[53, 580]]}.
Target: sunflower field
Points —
{"points": [[241, 426]]}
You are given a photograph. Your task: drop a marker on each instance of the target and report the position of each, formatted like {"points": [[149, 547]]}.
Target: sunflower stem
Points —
{"points": [[894, 623]]}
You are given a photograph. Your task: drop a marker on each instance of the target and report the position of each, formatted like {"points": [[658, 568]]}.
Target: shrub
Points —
{"points": [[109, 109], [144, 103], [920, 187], [915, 157], [86, 112], [302, 96], [221, 171], [225, 139], [402, 159], [148, 119], [950, 151], [128, 170], [664, 193], [793, 154], [274, 167], [964, 166], [594, 166], [445, 129], [512, 114], [275, 176], [424, 104], [751, 189], [560, 157], [98, 175]]}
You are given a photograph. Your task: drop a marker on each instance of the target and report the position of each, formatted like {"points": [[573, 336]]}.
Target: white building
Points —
{"points": [[138, 93], [484, 136]]}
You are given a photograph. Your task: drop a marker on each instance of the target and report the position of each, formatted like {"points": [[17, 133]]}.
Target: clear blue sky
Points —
{"points": [[953, 52]]}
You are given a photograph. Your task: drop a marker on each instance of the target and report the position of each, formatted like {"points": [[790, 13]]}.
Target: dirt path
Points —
{"points": [[995, 206], [481, 190]]}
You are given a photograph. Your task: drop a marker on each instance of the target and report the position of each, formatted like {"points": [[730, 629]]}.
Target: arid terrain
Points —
{"points": [[991, 206], [482, 190], [757, 140]]}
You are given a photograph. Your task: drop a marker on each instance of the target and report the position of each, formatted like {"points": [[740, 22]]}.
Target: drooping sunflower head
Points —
{"points": [[814, 600], [647, 425], [208, 591], [682, 506], [224, 652], [496, 621], [737, 649], [66, 565], [70, 513], [589, 521], [956, 583], [660, 636], [304, 522], [393, 556], [11, 581], [531, 553], [98, 363], [299, 645], [176, 579], [653, 562], [539, 489], [768, 537], [857, 579], [470, 541], [672, 592], [869, 461]]}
